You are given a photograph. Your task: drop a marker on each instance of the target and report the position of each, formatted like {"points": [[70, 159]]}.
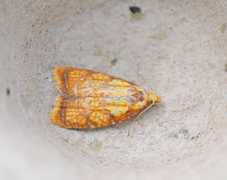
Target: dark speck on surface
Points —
{"points": [[135, 9], [8, 91]]}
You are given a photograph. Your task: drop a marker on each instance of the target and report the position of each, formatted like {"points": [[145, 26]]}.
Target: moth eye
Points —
{"points": [[151, 102]]}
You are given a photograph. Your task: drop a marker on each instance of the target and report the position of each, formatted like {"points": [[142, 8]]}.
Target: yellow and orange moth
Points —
{"points": [[90, 99]]}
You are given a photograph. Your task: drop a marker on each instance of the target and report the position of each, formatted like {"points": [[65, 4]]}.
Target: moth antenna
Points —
{"points": [[144, 79]]}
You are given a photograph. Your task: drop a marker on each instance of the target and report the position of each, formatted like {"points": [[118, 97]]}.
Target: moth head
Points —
{"points": [[154, 98]]}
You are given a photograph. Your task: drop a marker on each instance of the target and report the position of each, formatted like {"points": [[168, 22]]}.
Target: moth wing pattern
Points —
{"points": [[66, 113], [90, 99]]}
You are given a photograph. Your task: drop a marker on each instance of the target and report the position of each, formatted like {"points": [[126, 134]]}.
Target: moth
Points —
{"points": [[89, 99]]}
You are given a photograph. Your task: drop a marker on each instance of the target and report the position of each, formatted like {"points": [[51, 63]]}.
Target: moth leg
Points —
{"points": [[138, 119]]}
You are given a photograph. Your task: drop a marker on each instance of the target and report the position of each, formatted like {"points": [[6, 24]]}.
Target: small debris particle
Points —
{"points": [[97, 51], [25, 101], [136, 13], [106, 11], [135, 9], [160, 36], [114, 61], [95, 145], [223, 27], [105, 57], [183, 131], [7, 91], [137, 16], [196, 137]]}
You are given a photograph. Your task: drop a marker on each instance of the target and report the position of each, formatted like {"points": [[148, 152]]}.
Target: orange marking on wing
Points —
{"points": [[75, 76], [67, 77], [99, 119], [56, 113], [65, 114], [88, 113], [74, 117], [58, 75], [100, 76]]}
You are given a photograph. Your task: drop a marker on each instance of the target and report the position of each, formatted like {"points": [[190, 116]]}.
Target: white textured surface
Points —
{"points": [[181, 52]]}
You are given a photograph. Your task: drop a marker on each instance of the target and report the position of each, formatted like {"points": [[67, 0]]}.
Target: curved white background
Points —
{"points": [[180, 48]]}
